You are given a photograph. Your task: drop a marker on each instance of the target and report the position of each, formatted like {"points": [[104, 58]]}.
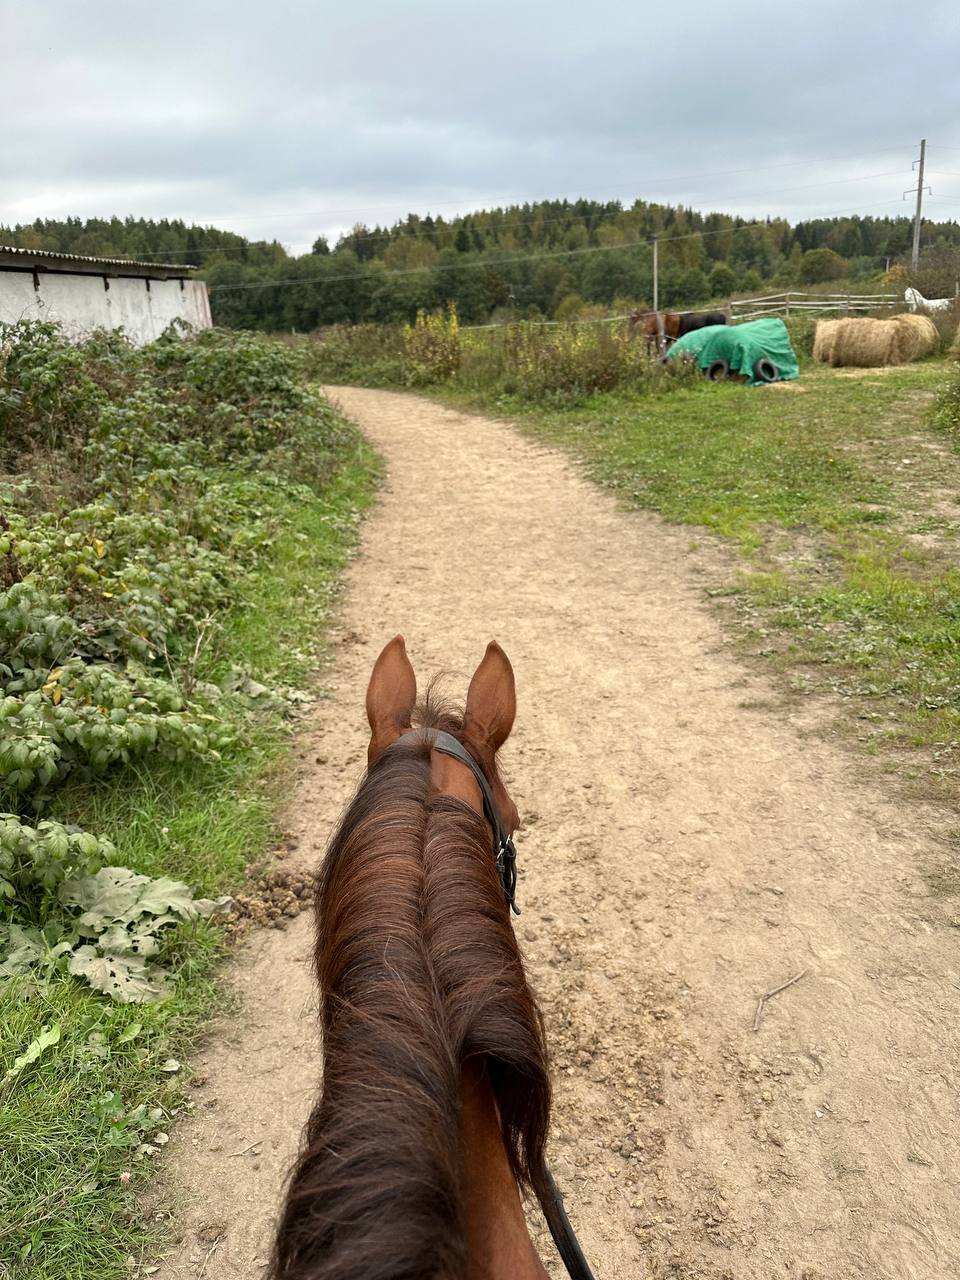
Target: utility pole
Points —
{"points": [[656, 293], [915, 256]]}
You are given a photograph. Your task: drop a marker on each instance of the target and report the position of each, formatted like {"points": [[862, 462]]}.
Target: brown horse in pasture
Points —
{"points": [[675, 323], [435, 1103]]}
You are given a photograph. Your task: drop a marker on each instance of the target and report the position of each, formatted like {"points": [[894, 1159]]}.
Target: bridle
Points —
{"points": [[505, 854]]}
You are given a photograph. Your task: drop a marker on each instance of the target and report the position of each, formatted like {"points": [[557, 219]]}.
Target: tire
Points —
{"points": [[718, 371], [765, 370]]}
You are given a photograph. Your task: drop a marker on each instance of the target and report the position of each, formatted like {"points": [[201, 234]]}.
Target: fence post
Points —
{"points": [[786, 304]]}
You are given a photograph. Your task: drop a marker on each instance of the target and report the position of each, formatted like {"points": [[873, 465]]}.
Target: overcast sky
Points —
{"points": [[285, 119]]}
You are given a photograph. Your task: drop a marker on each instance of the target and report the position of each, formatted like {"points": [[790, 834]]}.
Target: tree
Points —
{"points": [[818, 265], [321, 246], [721, 281]]}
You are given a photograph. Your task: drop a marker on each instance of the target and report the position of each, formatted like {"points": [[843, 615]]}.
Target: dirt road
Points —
{"points": [[689, 845]]}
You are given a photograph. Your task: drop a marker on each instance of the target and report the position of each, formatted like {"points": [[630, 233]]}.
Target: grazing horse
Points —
{"points": [[915, 299], [675, 323], [435, 1103]]}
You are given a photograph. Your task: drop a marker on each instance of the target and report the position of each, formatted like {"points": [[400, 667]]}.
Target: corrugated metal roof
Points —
{"points": [[43, 255]]}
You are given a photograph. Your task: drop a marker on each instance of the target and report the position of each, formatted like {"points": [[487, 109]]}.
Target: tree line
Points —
{"points": [[548, 258]]}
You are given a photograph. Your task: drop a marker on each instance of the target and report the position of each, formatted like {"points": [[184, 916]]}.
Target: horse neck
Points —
{"points": [[498, 1241]]}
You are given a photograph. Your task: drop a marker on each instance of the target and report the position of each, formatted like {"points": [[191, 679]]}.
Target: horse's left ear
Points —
{"points": [[391, 695], [491, 701]]}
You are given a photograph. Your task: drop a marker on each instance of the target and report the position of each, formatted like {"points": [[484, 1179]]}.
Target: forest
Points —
{"points": [[549, 258]]}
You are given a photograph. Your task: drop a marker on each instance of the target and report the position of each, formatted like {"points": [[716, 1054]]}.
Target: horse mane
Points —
{"points": [[419, 970]]}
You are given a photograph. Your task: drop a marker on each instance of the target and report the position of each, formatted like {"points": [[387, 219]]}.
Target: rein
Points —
{"points": [[505, 853]]}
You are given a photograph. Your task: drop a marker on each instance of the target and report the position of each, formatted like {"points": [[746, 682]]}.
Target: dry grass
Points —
{"points": [[866, 344]]}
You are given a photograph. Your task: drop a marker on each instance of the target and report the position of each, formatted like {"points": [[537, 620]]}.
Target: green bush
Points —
{"points": [[563, 363], [369, 354], [431, 347], [145, 497], [818, 265], [947, 409]]}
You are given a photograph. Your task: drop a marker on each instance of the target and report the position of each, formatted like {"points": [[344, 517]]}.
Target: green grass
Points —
{"points": [[842, 502], [66, 1212]]}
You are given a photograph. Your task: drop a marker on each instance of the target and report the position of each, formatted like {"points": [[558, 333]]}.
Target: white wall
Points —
{"points": [[81, 303]]}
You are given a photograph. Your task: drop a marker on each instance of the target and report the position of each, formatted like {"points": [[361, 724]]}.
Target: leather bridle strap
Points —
{"points": [[504, 850]]}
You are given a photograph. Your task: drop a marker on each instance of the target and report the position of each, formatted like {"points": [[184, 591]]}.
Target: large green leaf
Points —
{"points": [[125, 978]]}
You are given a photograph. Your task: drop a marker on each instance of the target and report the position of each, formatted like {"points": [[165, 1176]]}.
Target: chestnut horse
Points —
{"points": [[675, 323], [435, 1103]]}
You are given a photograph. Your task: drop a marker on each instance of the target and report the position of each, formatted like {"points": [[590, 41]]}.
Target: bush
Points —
{"points": [[947, 410], [818, 265], [722, 281], [369, 354], [562, 363], [146, 492], [431, 347]]}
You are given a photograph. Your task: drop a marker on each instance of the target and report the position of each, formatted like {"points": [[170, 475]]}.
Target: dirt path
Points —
{"points": [[687, 848]]}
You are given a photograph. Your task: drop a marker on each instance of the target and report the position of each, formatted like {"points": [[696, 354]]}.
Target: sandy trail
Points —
{"points": [[687, 848]]}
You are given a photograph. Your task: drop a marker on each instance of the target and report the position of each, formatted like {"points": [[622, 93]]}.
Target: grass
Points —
{"points": [[841, 501], [72, 1122]]}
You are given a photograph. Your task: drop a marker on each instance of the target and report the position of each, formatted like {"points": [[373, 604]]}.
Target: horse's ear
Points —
{"points": [[491, 700], [391, 695]]}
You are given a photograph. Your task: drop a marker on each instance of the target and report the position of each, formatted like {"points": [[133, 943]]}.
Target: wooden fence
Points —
{"points": [[785, 304]]}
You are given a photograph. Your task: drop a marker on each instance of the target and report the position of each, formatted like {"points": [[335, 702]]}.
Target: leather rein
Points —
{"points": [[505, 854]]}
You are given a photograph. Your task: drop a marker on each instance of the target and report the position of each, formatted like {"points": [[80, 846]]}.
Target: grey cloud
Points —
{"points": [[326, 114]]}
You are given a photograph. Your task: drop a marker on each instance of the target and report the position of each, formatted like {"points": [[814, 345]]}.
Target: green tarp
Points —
{"points": [[741, 345]]}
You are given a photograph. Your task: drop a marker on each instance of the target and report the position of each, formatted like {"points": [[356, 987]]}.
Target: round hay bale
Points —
{"points": [[864, 343], [823, 340], [917, 336]]}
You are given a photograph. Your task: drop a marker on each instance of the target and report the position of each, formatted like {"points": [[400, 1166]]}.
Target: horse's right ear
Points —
{"points": [[391, 695]]}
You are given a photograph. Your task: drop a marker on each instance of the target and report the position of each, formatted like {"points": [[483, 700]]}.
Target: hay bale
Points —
{"points": [[863, 343], [824, 337], [917, 336]]}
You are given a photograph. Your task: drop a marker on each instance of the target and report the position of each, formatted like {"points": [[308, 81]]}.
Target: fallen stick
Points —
{"points": [[258, 1143], [758, 1016]]}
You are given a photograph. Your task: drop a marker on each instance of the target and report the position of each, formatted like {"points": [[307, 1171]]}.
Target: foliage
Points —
{"points": [[561, 363], [564, 363], [937, 274], [165, 240], [99, 922], [818, 265], [947, 410], [431, 347], [151, 495], [523, 261], [371, 354]]}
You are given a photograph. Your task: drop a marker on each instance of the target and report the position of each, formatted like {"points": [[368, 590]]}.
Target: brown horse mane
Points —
{"points": [[419, 971]]}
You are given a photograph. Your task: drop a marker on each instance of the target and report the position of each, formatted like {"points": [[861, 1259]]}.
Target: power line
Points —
{"points": [[391, 234], [490, 262], [683, 177]]}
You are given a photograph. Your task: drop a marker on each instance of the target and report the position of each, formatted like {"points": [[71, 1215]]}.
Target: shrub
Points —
{"points": [[562, 363], [369, 354], [431, 347], [146, 493], [722, 281], [818, 265]]}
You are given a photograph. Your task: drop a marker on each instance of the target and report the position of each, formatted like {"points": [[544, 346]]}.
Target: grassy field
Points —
{"points": [[841, 500], [89, 1086]]}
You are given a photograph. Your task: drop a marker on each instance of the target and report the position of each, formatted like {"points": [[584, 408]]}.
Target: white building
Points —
{"points": [[83, 294]]}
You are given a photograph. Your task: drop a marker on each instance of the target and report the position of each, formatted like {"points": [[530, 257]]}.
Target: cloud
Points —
{"points": [[294, 118]]}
